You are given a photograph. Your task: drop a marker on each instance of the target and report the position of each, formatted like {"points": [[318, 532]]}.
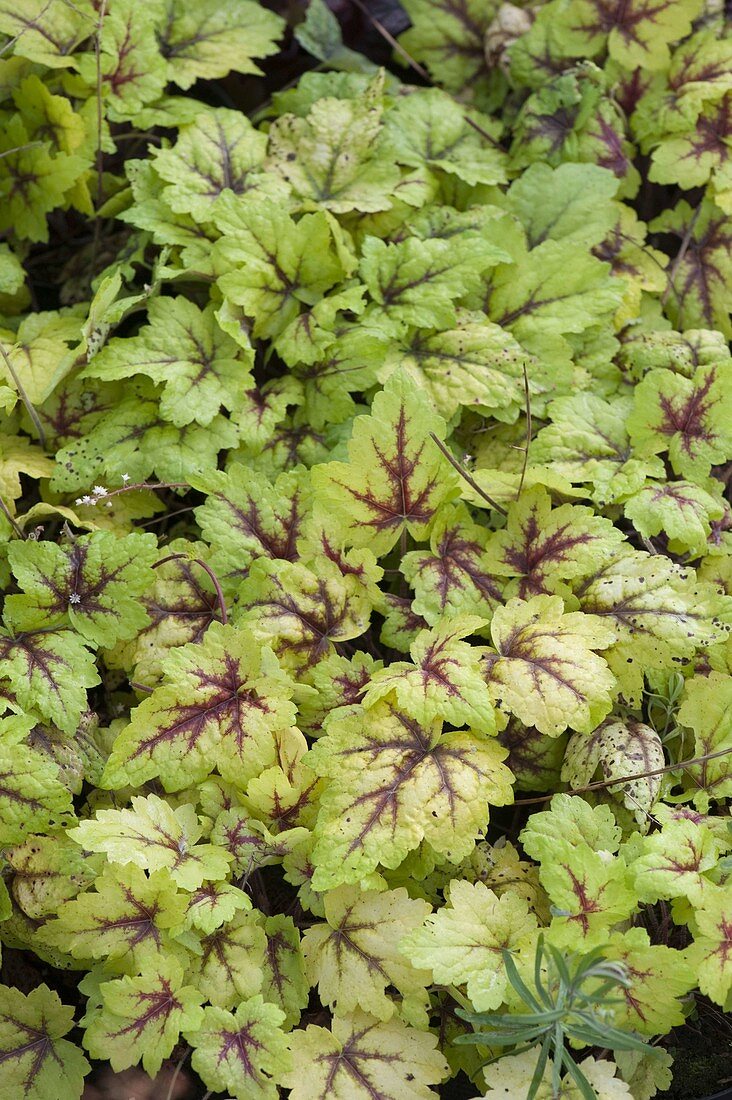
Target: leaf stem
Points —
{"points": [[24, 397], [207, 569], [464, 474]]}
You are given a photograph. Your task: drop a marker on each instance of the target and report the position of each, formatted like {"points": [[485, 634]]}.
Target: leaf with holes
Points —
{"points": [[211, 40], [246, 516], [688, 418], [544, 667], [544, 547], [444, 681], [38, 1063], [128, 919], [355, 955], [244, 1053], [155, 836], [683, 511], [706, 708], [229, 967], [361, 1057], [46, 673], [141, 1017], [618, 747], [274, 265], [395, 478], [659, 612], [93, 584], [462, 943], [220, 704], [182, 348], [394, 783]]}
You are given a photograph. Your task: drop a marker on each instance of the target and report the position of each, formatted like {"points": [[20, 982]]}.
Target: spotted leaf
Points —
{"points": [[618, 747], [683, 511]]}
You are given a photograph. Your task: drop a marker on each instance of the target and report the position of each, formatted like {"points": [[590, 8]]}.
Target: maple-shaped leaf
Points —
{"points": [[219, 153], [402, 623], [658, 610], [682, 510], [706, 709], [587, 443], [453, 577], [127, 61], [361, 1057], [246, 516], [48, 869], [32, 794], [475, 364], [429, 128], [132, 438], [128, 919], [275, 265], [333, 156], [443, 681], [394, 783], [462, 942], [47, 35], [93, 584], [38, 357], [301, 613], [219, 705], [701, 273], [155, 836], [449, 38], [285, 983], [544, 668], [635, 34], [574, 821], [673, 861], [355, 956], [572, 200], [659, 979], [339, 682], [544, 547], [213, 904], [141, 1017], [618, 747], [699, 154], [244, 1053], [37, 1062], [590, 892], [211, 40], [46, 673], [396, 478], [710, 953], [229, 967], [687, 417], [183, 348], [417, 282]]}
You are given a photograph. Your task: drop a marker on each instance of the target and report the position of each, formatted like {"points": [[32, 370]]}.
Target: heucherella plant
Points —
{"points": [[365, 546]]}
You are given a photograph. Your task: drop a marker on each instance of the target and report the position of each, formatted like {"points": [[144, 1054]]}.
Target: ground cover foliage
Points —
{"points": [[364, 472]]}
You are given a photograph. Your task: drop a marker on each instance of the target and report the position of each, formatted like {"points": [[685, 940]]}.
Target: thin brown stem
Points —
{"points": [[11, 518], [30, 408], [527, 398], [467, 477], [207, 569]]}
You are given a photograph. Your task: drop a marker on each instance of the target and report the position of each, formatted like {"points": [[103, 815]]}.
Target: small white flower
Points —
{"points": [[78, 501], [99, 491], [125, 478], [108, 504], [74, 598]]}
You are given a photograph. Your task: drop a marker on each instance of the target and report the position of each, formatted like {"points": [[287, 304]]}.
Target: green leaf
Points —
{"points": [[361, 1057], [320, 34], [706, 709], [182, 347], [355, 956], [285, 983], [574, 821], [673, 862], [212, 39], [230, 966], [702, 272], [155, 836], [32, 794], [444, 681], [448, 36], [133, 73], [47, 33], [571, 201], [545, 547], [544, 668], [47, 673], [128, 919], [686, 417], [591, 891], [93, 584], [682, 510], [48, 870], [462, 943], [274, 265], [244, 1053], [709, 954], [429, 128], [394, 783], [395, 478], [37, 1061], [33, 181], [220, 704], [659, 979], [636, 35], [142, 1017]]}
